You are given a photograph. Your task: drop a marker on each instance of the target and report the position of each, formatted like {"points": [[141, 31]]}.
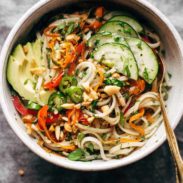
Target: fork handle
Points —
{"points": [[172, 142]]}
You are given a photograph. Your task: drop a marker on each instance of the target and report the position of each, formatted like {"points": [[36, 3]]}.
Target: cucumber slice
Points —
{"points": [[118, 56], [119, 27], [110, 14], [146, 59], [102, 38], [131, 21]]}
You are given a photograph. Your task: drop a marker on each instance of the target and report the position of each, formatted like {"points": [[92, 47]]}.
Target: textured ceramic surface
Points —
{"points": [[170, 39]]}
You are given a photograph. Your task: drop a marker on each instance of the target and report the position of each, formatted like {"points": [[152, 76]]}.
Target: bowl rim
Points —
{"points": [[45, 155]]}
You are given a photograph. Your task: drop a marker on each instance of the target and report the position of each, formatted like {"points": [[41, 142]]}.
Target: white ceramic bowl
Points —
{"points": [[174, 61]]}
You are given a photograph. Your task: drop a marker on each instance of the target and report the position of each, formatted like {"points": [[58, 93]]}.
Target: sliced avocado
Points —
{"points": [[37, 49], [20, 77]]}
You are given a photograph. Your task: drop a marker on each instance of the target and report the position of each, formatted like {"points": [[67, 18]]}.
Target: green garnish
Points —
{"points": [[122, 119], [70, 28], [59, 27], [97, 42], [128, 31], [81, 136], [90, 147], [76, 155], [117, 39], [92, 55], [112, 81], [94, 104], [26, 81]]}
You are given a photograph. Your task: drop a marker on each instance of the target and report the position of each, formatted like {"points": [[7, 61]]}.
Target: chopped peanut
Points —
{"points": [[105, 108], [67, 127], [111, 90], [68, 106], [115, 75]]}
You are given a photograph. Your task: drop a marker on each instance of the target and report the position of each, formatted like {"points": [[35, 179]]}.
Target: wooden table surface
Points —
{"points": [[14, 155]]}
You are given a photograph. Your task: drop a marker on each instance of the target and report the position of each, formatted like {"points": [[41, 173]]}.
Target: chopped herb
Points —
{"points": [[70, 28], [59, 27], [112, 81], [34, 85], [127, 70], [139, 45], [77, 72], [90, 147], [92, 55], [97, 42], [128, 31], [145, 74], [121, 24], [107, 75], [80, 136], [126, 95], [122, 119], [26, 81], [94, 104], [117, 39], [143, 138], [49, 62], [76, 155]]}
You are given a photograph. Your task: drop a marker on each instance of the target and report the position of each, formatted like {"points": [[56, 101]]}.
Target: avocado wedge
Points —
{"points": [[20, 77]]}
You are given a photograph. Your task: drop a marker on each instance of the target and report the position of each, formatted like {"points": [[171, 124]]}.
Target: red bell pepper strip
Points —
{"points": [[80, 50], [71, 68], [82, 119], [21, 108], [54, 82], [52, 118]]}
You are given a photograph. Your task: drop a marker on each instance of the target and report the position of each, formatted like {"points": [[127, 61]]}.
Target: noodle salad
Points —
{"points": [[87, 85]]}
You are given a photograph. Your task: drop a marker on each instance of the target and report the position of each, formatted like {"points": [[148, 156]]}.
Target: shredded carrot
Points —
{"points": [[101, 75], [99, 12], [134, 118], [69, 147], [123, 140], [149, 118], [42, 116], [139, 87], [69, 114], [96, 25], [48, 33], [69, 56], [76, 116]]}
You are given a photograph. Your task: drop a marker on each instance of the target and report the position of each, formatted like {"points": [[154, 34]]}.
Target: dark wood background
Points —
{"points": [[14, 155]]}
